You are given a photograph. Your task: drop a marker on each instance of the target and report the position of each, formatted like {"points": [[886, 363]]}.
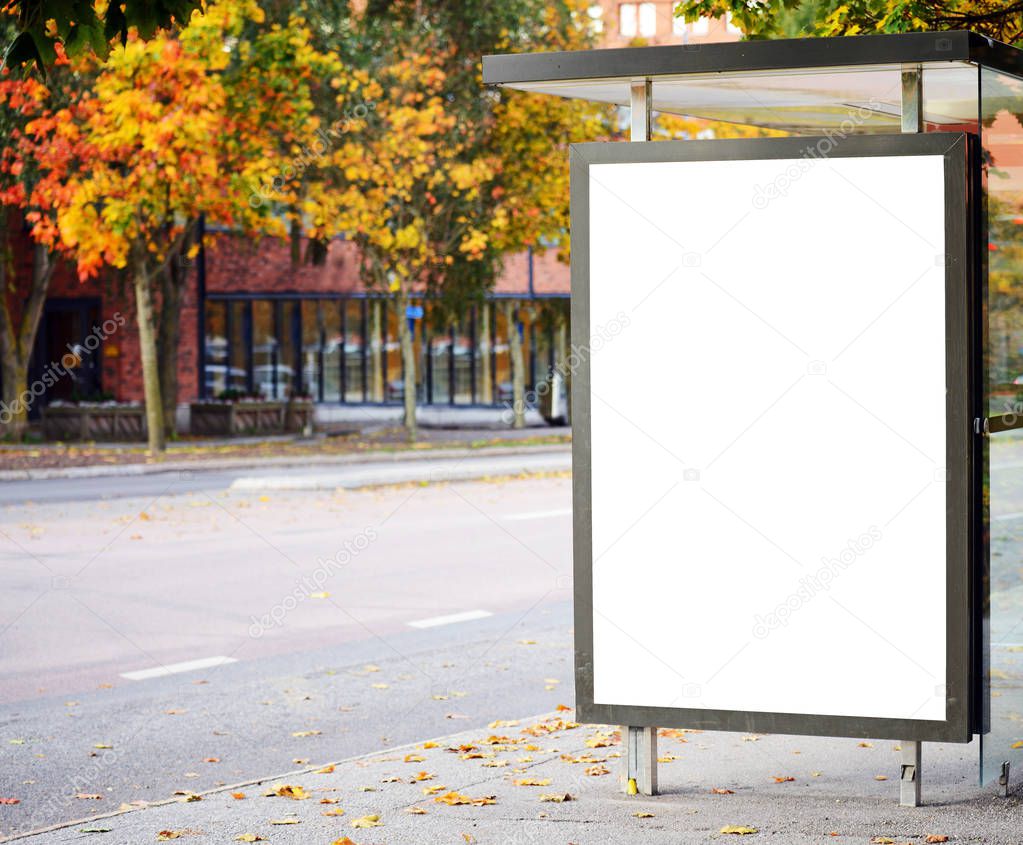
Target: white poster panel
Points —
{"points": [[767, 364]]}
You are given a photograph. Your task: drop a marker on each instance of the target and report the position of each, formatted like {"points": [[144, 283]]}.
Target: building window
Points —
{"points": [[678, 24], [596, 13], [647, 19], [627, 20]]}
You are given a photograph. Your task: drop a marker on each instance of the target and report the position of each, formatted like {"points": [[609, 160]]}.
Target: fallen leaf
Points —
{"points": [[285, 821], [86, 796], [328, 800], [642, 815], [453, 799], [95, 829], [864, 745], [431, 744], [936, 837], [414, 758], [249, 837], [533, 782], [326, 770], [1017, 744], [736, 829], [556, 797], [421, 776], [186, 795], [882, 840], [783, 779], [367, 821], [10, 800], [880, 777], [238, 796], [164, 835], [344, 840], [211, 760], [306, 733], [296, 793], [718, 791], [319, 595], [336, 811], [172, 712], [596, 771], [416, 811], [102, 745]]}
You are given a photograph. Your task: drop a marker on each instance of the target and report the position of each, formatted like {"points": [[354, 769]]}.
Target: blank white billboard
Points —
{"points": [[767, 372]]}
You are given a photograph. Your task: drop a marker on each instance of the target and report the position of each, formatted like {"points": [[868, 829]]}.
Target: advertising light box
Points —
{"points": [[773, 433]]}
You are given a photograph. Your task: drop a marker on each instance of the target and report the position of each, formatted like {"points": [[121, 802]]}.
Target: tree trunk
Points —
{"points": [[518, 367], [376, 351], [408, 360], [16, 342], [486, 379], [167, 341], [150, 362]]}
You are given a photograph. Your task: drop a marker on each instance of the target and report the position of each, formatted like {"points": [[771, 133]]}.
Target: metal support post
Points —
{"points": [[639, 745], [912, 99], [909, 795], [639, 121], [1003, 780], [639, 761]]}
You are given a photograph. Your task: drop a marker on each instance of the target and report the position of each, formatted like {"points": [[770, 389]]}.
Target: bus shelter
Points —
{"points": [[797, 388]]}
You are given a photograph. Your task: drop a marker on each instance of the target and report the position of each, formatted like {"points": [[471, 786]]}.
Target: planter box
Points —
{"points": [[94, 422], [299, 416], [224, 419]]}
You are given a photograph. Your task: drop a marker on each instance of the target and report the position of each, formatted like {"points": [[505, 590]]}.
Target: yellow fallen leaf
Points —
{"points": [[882, 840], [880, 777], [334, 811], [718, 791], [344, 840], [367, 821], [249, 837], [326, 770], [319, 595], [414, 758], [1017, 744], [556, 797], [738, 830], [533, 782], [642, 815], [935, 837], [102, 745], [421, 776], [596, 771], [296, 793], [433, 790], [165, 835], [285, 821], [431, 744], [238, 796], [416, 811], [305, 733], [453, 799]]}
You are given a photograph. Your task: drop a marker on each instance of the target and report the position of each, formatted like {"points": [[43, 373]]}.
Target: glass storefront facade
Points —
{"points": [[346, 350]]}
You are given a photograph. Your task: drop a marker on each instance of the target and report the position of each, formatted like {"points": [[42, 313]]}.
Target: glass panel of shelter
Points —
{"points": [[1002, 139]]}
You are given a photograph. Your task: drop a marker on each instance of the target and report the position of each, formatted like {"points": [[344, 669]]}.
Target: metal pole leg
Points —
{"points": [[639, 761], [909, 795]]}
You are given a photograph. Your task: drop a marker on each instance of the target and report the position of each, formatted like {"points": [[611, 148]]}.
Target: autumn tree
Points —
{"points": [[773, 18], [47, 29], [30, 113], [156, 149]]}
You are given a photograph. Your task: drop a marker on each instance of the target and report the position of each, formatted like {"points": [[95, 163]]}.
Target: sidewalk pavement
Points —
{"points": [[543, 781], [381, 456]]}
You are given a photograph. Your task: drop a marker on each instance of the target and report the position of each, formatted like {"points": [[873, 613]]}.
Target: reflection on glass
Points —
{"points": [[463, 364], [312, 347], [394, 383], [333, 344], [440, 363], [238, 347], [501, 356], [216, 349], [264, 349], [287, 375], [1002, 99], [355, 332]]}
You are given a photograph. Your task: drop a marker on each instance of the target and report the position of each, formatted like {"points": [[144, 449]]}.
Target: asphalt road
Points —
{"points": [[325, 625]]}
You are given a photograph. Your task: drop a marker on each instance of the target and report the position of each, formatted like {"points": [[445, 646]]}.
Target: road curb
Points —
{"points": [[111, 470]]}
